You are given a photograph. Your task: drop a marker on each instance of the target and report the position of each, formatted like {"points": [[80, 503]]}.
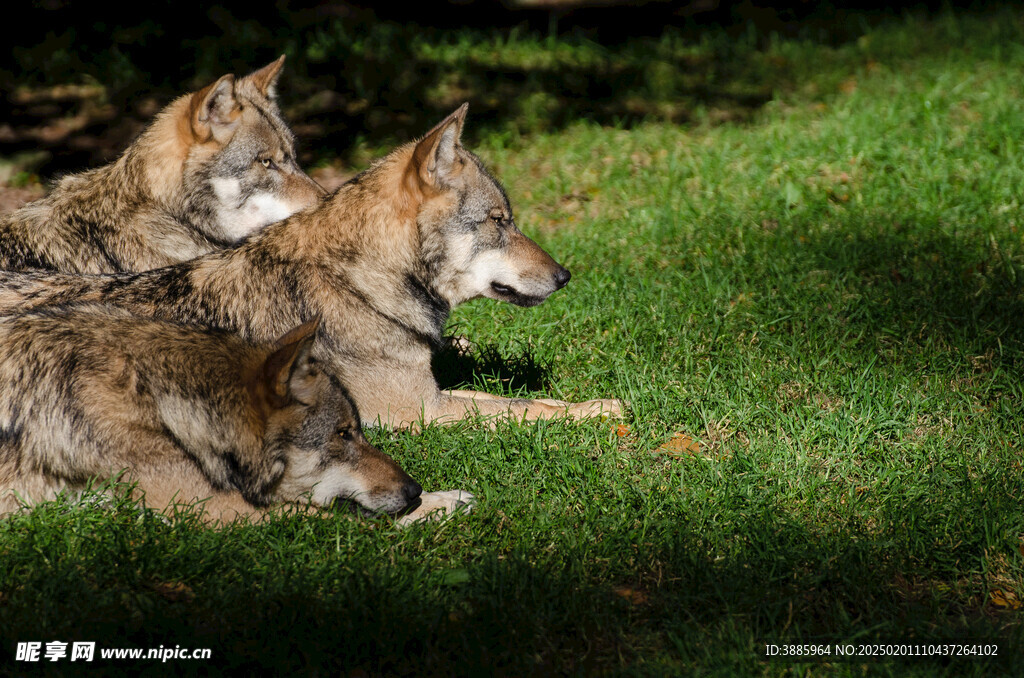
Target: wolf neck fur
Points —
{"points": [[167, 147], [364, 240]]}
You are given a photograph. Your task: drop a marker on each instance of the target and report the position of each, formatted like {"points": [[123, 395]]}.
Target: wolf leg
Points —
{"points": [[562, 404], [456, 405]]}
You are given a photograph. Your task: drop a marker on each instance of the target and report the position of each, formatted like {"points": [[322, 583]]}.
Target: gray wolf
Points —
{"points": [[212, 168], [186, 415], [381, 262]]}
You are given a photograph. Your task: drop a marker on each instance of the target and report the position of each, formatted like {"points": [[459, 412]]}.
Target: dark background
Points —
{"points": [[79, 80]]}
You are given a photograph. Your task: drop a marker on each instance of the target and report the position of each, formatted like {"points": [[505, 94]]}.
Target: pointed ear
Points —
{"points": [[435, 154], [289, 371], [214, 111], [265, 78]]}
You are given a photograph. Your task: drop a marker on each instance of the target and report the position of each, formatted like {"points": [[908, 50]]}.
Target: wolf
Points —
{"points": [[381, 262], [212, 168], [186, 415]]}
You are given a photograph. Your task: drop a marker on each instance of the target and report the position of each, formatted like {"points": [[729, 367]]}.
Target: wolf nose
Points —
{"points": [[562, 276], [412, 490]]}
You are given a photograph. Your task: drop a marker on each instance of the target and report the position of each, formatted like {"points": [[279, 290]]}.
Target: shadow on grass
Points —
{"points": [[679, 599], [457, 369], [355, 74], [386, 100], [522, 99]]}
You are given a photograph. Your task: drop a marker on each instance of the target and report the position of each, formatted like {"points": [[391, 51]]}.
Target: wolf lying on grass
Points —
{"points": [[187, 415], [214, 167], [381, 262]]}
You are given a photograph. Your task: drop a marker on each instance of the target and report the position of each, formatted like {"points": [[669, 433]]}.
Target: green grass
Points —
{"points": [[827, 296]]}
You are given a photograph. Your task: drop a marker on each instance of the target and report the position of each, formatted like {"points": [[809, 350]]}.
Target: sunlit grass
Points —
{"points": [[824, 300]]}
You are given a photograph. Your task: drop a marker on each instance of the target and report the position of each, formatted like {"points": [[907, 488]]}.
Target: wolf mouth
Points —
{"points": [[514, 296], [351, 506]]}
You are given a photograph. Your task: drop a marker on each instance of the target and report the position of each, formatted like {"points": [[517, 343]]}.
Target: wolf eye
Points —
{"points": [[268, 163], [345, 434]]}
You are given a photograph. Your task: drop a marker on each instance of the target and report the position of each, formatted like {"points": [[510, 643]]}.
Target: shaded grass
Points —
{"points": [[827, 297], [357, 83]]}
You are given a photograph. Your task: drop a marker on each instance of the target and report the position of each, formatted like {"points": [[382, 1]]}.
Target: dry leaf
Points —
{"points": [[1005, 600], [680, 443], [622, 430], [632, 595], [174, 591]]}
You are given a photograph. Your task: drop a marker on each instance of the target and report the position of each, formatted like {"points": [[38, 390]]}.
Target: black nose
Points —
{"points": [[562, 276], [412, 490]]}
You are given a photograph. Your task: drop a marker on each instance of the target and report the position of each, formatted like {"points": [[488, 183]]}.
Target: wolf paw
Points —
{"points": [[591, 409], [439, 506]]}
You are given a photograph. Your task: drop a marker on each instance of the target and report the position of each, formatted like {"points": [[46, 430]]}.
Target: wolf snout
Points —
{"points": [[562, 276], [411, 491]]}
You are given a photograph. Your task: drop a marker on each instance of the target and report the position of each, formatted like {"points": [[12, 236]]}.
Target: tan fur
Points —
{"points": [[192, 183], [381, 263], [184, 415]]}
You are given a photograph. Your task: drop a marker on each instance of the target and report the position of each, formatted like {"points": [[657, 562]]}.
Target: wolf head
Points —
{"points": [[469, 239], [240, 170], [313, 437]]}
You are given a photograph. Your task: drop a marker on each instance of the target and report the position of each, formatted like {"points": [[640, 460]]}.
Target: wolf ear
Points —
{"points": [[265, 78], [214, 111], [435, 154], [289, 372]]}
